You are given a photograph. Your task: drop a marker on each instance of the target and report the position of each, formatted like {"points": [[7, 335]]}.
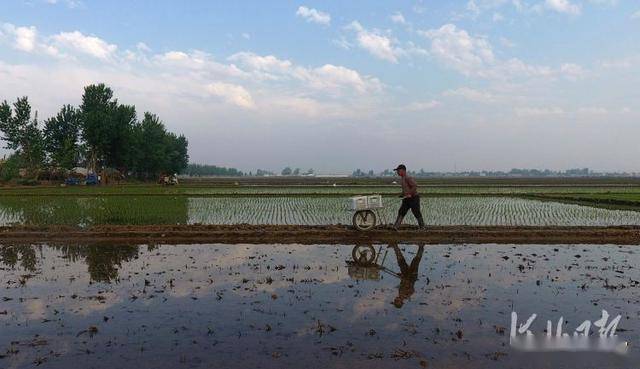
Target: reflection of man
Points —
{"points": [[408, 274]]}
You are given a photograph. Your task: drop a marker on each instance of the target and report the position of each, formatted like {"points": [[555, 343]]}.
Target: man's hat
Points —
{"points": [[401, 166]]}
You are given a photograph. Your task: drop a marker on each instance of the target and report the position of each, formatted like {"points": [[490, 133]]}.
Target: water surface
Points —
{"points": [[287, 306]]}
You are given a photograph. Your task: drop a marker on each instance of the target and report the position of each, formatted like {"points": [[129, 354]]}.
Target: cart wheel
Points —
{"points": [[363, 255], [364, 220]]}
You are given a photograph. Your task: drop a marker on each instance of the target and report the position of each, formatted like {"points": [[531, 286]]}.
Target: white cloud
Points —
{"points": [[377, 44], [473, 95], [456, 48], [538, 111], [572, 71], [24, 38], [342, 43], [268, 64], [604, 2], [621, 63], [506, 42], [473, 56], [72, 4], [331, 79], [497, 17], [141, 46], [231, 93], [636, 15], [419, 7], [473, 8], [89, 45], [334, 79], [314, 16], [397, 17], [592, 110], [563, 6], [422, 105], [198, 61]]}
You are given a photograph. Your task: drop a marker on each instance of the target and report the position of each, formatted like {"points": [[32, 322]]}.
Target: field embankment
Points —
{"points": [[263, 234]]}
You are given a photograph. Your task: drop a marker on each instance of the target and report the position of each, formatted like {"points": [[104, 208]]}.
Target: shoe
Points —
{"points": [[396, 225], [420, 223]]}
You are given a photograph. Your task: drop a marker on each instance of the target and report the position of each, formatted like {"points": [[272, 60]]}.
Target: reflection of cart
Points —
{"points": [[366, 263], [366, 212]]}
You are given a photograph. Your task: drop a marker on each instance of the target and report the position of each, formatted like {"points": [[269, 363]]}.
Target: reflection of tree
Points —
{"points": [[102, 262], [10, 255], [408, 274]]}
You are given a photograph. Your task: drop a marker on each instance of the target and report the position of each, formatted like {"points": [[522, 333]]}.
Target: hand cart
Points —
{"points": [[367, 212]]}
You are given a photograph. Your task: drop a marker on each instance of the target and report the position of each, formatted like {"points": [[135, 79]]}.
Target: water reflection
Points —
{"points": [[102, 261], [277, 306], [368, 262]]}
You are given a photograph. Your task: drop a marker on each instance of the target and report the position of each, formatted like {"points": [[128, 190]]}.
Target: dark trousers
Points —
{"points": [[412, 203]]}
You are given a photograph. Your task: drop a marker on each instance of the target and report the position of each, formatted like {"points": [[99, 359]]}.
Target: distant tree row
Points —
{"points": [[578, 172], [296, 172], [198, 170], [101, 133]]}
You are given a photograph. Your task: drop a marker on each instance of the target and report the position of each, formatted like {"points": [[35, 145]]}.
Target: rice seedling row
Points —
{"points": [[140, 210]]}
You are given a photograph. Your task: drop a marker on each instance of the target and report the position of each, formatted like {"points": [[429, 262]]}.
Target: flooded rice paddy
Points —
{"points": [[142, 210], [292, 306]]}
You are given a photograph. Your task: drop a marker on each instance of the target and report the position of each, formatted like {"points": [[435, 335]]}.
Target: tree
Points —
{"points": [[151, 146], [10, 168], [119, 144], [157, 150], [22, 134], [108, 133], [211, 170], [61, 134], [296, 172], [286, 171], [95, 110], [178, 157]]}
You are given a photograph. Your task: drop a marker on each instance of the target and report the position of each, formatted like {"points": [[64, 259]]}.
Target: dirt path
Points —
{"points": [[319, 234]]}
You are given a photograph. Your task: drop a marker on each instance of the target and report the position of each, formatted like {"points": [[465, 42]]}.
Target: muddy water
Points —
{"points": [[292, 306]]}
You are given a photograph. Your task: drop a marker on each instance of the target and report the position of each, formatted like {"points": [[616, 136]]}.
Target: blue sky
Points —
{"points": [[335, 85]]}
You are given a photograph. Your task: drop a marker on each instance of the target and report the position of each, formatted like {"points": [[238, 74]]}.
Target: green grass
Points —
{"points": [[608, 199]]}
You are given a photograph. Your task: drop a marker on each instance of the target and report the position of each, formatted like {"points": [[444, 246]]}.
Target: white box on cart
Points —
{"points": [[374, 201], [366, 202], [359, 203]]}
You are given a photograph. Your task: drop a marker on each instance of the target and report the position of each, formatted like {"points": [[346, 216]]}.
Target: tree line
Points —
{"points": [[99, 134], [198, 170]]}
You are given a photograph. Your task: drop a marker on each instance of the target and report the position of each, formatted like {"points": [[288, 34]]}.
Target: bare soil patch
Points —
{"points": [[332, 234]]}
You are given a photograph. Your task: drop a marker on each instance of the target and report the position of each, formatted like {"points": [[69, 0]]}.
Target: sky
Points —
{"points": [[339, 85]]}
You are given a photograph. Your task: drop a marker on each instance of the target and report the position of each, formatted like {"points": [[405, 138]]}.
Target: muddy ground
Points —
{"points": [[333, 234]]}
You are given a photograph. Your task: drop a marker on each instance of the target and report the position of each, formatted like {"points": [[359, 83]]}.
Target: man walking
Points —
{"points": [[410, 198]]}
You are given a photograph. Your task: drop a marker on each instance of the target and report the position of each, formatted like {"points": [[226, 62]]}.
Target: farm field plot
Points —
{"points": [[180, 210], [276, 306], [480, 211], [608, 198], [315, 190]]}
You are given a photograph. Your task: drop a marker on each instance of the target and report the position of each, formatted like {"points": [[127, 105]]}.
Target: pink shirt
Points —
{"points": [[409, 186]]}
